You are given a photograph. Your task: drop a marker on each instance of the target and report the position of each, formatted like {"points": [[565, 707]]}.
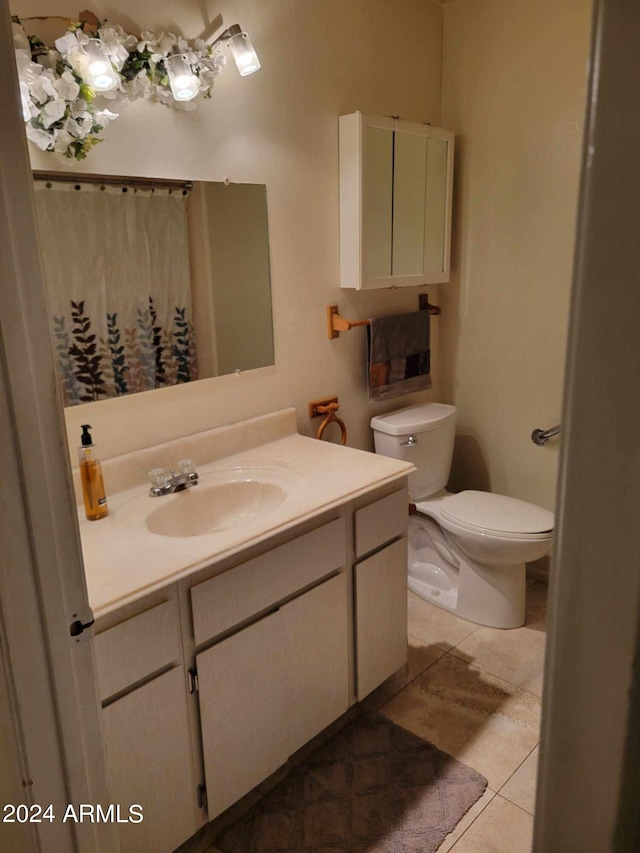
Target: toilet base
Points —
{"points": [[442, 574]]}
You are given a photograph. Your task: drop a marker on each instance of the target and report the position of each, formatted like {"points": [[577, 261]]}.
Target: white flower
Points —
{"points": [[164, 96], [39, 137], [83, 117], [79, 108], [66, 87], [71, 47], [67, 44], [77, 128], [163, 46], [139, 87], [42, 88], [25, 97], [62, 141], [103, 117], [20, 40], [148, 41], [28, 71], [112, 41], [53, 111]]}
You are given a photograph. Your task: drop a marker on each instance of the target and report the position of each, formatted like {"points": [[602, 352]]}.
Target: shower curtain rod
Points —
{"points": [[114, 181]]}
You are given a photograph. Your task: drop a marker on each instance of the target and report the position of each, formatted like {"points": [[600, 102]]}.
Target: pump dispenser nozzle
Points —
{"points": [[86, 439]]}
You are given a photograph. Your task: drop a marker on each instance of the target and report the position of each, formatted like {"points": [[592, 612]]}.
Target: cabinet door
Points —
{"points": [[437, 210], [381, 616], [377, 206], [317, 660], [243, 709], [148, 751], [409, 185]]}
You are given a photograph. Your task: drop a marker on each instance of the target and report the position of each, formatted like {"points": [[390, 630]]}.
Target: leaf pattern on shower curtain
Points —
{"points": [[151, 355], [86, 360], [116, 351], [71, 388]]}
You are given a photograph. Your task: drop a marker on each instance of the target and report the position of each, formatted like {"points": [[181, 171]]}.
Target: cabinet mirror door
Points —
{"points": [[409, 184], [436, 207], [420, 204], [377, 212]]}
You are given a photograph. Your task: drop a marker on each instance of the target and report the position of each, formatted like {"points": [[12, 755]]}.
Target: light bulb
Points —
{"points": [[100, 73], [244, 55], [183, 82]]}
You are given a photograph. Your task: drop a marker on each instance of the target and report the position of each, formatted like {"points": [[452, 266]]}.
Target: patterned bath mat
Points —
{"points": [[372, 788]]}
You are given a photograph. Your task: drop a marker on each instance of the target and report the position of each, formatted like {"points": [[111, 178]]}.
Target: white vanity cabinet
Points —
{"points": [[396, 180], [211, 684]]}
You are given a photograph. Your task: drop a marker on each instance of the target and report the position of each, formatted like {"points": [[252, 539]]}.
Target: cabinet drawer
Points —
{"points": [[136, 648], [381, 521], [239, 593]]}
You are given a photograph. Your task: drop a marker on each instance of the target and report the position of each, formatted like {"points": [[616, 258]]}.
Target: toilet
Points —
{"points": [[467, 551]]}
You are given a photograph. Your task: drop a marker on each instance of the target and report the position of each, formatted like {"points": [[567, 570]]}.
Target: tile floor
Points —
{"points": [[475, 693]]}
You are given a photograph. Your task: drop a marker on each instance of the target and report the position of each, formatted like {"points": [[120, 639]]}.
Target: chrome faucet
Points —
{"points": [[167, 484]]}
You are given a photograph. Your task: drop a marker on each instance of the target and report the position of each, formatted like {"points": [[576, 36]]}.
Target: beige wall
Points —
{"points": [[278, 127], [513, 91]]}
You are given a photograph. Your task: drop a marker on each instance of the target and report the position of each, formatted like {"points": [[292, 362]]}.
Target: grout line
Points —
{"points": [[516, 770], [524, 811], [481, 812], [504, 796]]}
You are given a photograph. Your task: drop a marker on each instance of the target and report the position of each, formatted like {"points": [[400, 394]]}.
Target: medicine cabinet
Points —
{"points": [[396, 181]]}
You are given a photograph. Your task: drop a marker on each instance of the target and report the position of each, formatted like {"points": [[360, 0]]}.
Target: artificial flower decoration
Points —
{"points": [[92, 60]]}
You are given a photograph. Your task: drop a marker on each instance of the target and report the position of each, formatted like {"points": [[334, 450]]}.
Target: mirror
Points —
{"points": [[151, 282]]}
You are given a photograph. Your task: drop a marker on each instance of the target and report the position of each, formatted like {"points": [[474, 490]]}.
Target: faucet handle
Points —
{"points": [[187, 466], [158, 478]]}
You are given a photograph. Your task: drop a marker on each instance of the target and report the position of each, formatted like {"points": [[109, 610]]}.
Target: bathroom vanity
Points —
{"points": [[220, 653]]}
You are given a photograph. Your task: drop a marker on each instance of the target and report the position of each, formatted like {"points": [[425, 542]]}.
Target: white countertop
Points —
{"points": [[125, 561]]}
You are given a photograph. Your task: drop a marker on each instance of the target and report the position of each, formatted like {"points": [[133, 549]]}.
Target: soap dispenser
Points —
{"points": [[95, 500]]}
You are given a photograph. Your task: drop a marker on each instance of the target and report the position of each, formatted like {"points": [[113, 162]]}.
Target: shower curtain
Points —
{"points": [[116, 266]]}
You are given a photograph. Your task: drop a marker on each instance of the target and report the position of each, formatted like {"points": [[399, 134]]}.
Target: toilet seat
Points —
{"points": [[495, 515]]}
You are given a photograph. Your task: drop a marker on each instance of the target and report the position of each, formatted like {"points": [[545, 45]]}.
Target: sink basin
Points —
{"points": [[221, 500]]}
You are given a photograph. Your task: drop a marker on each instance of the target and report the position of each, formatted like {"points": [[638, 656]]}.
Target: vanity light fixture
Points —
{"points": [[58, 84], [100, 72], [183, 82], [243, 52]]}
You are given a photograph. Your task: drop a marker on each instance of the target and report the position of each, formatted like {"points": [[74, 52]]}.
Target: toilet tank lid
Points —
{"points": [[414, 419]]}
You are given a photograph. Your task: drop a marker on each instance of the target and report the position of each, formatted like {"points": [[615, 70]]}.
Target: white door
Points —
{"points": [[41, 574]]}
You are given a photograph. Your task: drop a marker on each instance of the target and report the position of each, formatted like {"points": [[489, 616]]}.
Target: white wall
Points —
{"points": [[513, 91], [278, 127]]}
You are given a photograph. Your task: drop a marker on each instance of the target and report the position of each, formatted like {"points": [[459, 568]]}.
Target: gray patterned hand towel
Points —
{"points": [[399, 355]]}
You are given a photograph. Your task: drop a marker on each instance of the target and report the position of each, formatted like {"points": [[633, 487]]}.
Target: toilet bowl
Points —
{"points": [[467, 551]]}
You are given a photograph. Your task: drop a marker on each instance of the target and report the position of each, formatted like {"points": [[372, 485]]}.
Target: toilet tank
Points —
{"points": [[423, 435]]}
